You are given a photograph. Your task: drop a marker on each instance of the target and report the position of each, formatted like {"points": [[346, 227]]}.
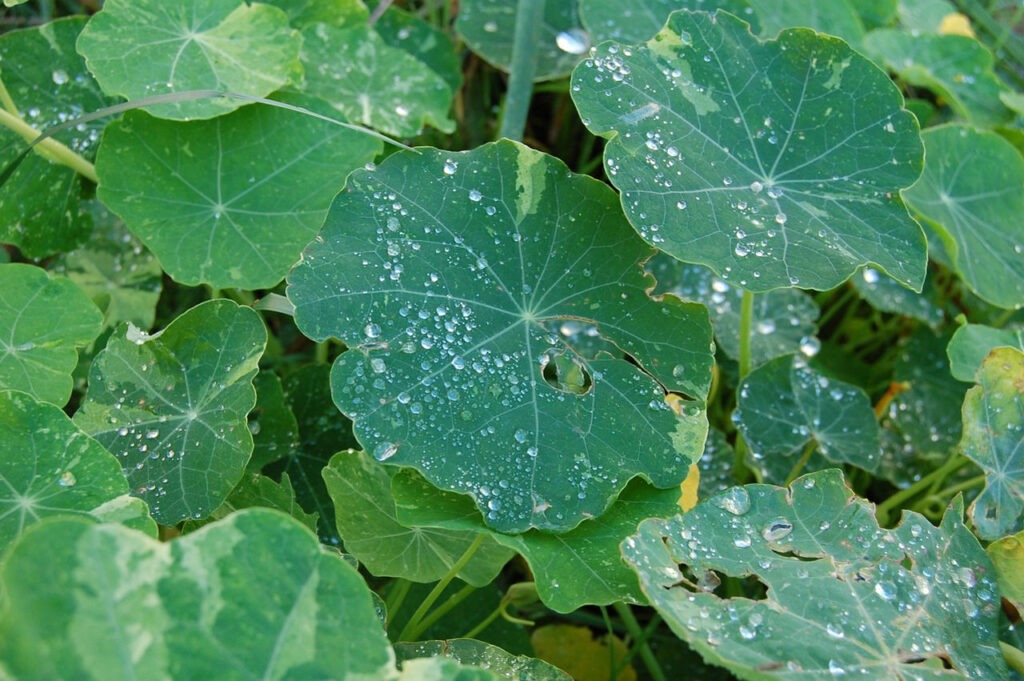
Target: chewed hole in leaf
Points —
{"points": [[563, 371]]}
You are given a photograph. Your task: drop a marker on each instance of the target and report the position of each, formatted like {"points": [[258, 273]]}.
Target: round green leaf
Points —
{"points": [[993, 417], [972, 193], [973, 342], [253, 596], [50, 467], [172, 406], [228, 202], [843, 598], [42, 319], [459, 281], [785, 407], [634, 21], [141, 48], [774, 163]]}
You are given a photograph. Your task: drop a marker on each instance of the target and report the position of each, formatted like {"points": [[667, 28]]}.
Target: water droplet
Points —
{"points": [[766, 326], [776, 530], [475, 195], [756, 187], [885, 590], [450, 167], [401, 111], [67, 479], [60, 77], [371, 330], [735, 500], [384, 451], [835, 669], [781, 218], [573, 41], [152, 434], [521, 436], [834, 630], [870, 275], [491, 27], [378, 365], [810, 346]]}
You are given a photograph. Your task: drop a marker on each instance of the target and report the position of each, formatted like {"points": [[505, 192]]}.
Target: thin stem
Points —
{"points": [[646, 654], [638, 644], [439, 588], [321, 352], [524, 65], [1013, 656], [7, 101], [885, 508], [378, 11], [740, 471], [976, 481], [443, 609], [49, 147], [476, 631], [396, 596], [808, 450]]}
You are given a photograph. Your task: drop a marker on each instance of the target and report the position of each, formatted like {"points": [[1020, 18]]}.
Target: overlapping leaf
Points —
{"points": [[993, 418], [258, 491], [774, 163], [42, 319], [971, 344], [172, 406], [836, 17], [843, 598], [141, 48], [477, 653], [972, 194], [634, 21], [450, 277], [887, 295]]}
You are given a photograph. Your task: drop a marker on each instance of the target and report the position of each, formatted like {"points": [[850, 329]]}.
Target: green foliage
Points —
{"points": [[711, 357]]}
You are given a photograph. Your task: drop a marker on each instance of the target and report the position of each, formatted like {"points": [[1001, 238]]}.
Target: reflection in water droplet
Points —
{"points": [[870, 275], [809, 346], [776, 530], [450, 167], [474, 195], [384, 451], [573, 41], [735, 500], [67, 479]]}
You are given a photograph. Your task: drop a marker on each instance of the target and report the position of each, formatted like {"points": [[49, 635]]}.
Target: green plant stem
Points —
{"points": [[1013, 656], [885, 508], [7, 101], [835, 307], [646, 654], [638, 644], [976, 481], [396, 595], [804, 458], [321, 352], [438, 589], [487, 621], [49, 148], [524, 65], [739, 470], [443, 609]]}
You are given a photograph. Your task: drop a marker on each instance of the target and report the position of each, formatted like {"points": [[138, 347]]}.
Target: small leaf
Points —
{"points": [[253, 596], [971, 194], [479, 654], [634, 21], [275, 432], [972, 343], [42, 320], [141, 48], [258, 491], [460, 281], [993, 418], [775, 163], [172, 406], [842, 596], [50, 467], [228, 202], [1007, 555]]}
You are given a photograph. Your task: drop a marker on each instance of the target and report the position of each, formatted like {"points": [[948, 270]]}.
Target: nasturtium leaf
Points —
{"points": [[50, 467], [303, 13], [924, 16], [774, 163], [1007, 555], [488, 27], [584, 655], [993, 421], [232, 201], [635, 21], [433, 47], [956, 68], [443, 669], [373, 83], [171, 406], [783, 319], [876, 13], [843, 597], [450, 276], [42, 320], [253, 596], [972, 194], [971, 344], [258, 491], [785, 408], [887, 295], [469, 651], [275, 432], [366, 518], [48, 84], [835, 17], [141, 48], [573, 569]]}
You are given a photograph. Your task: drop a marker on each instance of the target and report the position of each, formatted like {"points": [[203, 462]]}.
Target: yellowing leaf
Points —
{"points": [[956, 24], [1007, 555], [575, 650], [689, 488]]}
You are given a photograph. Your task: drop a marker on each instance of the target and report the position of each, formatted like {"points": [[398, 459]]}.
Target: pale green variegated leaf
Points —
{"points": [[444, 669], [141, 48], [42, 320], [228, 202], [433, 47], [634, 21], [171, 406], [993, 418], [1007, 555], [973, 342], [253, 596], [775, 163], [479, 654], [972, 194], [460, 282], [924, 16], [843, 598], [786, 409], [372, 532], [40, 208], [49, 467], [305, 13]]}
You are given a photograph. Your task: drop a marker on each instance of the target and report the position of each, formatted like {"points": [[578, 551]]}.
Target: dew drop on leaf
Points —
{"points": [[67, 479], [573, 41], [735, 501]]}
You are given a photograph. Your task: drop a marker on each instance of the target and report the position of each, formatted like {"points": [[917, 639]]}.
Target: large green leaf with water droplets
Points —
{"points": [[973, 342], [972, 194], [634, 21], [843, 598], [774, 163], [141, 48], [459, 282], [477, 653], [42, 319], [49, 467], [253, 596], [993, 417], [172, 406], [786, 409]]}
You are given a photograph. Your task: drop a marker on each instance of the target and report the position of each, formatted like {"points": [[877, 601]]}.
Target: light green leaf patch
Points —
{"points": [[433, 47], [49, 467], [42, 320], [253, 596], [972, 195], [993, 418], [479, 654], [843, 597], [459, 282], [372, 532], [775, 163], [924, 16], [171, 406], [786, 410], [635, 21], [228, 202], [141, 48], [304, 13], [972, 343]]}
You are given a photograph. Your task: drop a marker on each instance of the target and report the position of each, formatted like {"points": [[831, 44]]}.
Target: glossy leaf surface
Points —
{"points": [[972, 343], [477, 653], [635, 21]]}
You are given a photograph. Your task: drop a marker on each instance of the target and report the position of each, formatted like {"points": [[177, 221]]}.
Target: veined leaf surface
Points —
{"points": [[634, 21]]}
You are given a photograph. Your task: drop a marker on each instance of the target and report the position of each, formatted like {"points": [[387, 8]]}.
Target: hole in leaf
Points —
{"points": [[563, 371]]}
